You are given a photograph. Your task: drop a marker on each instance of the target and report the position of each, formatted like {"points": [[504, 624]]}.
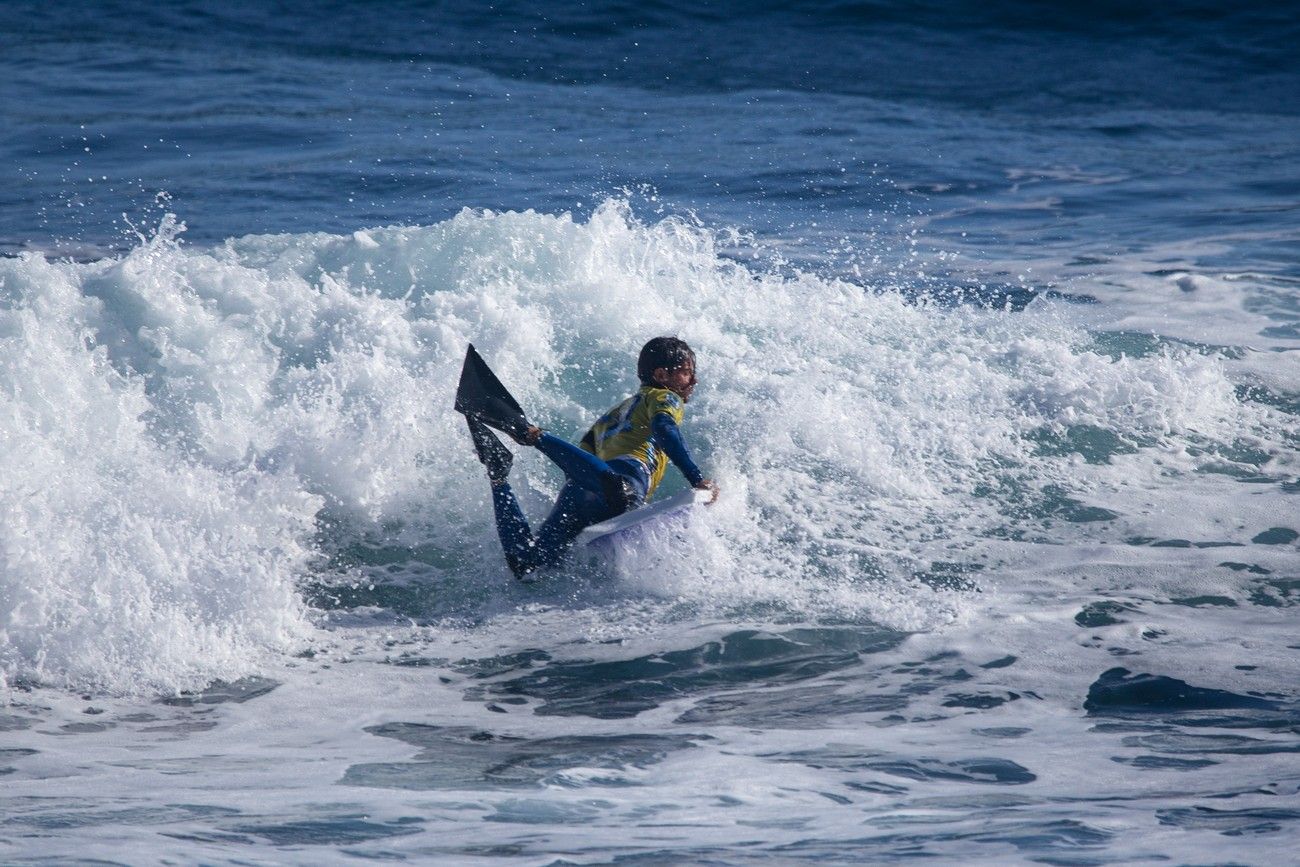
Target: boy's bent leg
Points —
{"points": [[584, 468], [574, 510], [513, 530], [590, 472]]}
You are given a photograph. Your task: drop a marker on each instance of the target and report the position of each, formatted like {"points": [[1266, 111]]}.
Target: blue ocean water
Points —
{"points": [[997, 308]]}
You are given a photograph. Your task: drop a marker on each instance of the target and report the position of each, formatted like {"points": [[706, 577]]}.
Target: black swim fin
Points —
{"points": [[482, 397], [491, 453]]}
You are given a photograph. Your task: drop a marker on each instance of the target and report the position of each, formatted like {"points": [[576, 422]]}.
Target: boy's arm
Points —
{"points": [[669, 438]]}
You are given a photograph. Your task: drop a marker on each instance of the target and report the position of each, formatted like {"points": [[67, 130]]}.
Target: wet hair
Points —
{"points": [[669, 352]]}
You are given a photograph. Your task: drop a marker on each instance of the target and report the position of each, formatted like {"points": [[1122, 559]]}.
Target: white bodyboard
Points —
{"points": [[607, 531]]}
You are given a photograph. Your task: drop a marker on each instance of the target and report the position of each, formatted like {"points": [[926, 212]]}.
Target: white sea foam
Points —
{"points": [[131, 560], [186, 428]]}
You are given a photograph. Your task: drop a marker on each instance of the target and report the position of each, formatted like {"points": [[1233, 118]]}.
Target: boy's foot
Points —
{"points": [[491, 453], [520, 431], [511, 424]]}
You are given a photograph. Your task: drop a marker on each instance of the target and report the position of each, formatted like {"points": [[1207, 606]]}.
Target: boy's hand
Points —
{"points": [[709, 485]]}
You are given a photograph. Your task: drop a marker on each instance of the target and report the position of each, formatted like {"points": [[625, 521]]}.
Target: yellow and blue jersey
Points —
{"points": [[627, 430]]}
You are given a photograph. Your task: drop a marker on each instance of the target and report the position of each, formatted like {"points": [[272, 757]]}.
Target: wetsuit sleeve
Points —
{"points": [[669, 438]]}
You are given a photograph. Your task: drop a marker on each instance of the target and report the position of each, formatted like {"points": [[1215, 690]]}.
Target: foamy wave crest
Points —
{"points": [[190, 434], [130, 561]]}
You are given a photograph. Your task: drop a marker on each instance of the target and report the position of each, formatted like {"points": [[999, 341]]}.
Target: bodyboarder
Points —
{"points": [[615, 468]]}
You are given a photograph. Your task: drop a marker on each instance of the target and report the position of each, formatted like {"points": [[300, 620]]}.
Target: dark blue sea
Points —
{"points": [[997, 314]]}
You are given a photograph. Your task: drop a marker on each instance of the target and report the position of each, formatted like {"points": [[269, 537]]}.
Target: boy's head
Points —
{"points": [[666, 360]]}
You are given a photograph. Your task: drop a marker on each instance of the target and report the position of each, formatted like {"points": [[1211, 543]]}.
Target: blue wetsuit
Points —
{"points": [[596, 489]]}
